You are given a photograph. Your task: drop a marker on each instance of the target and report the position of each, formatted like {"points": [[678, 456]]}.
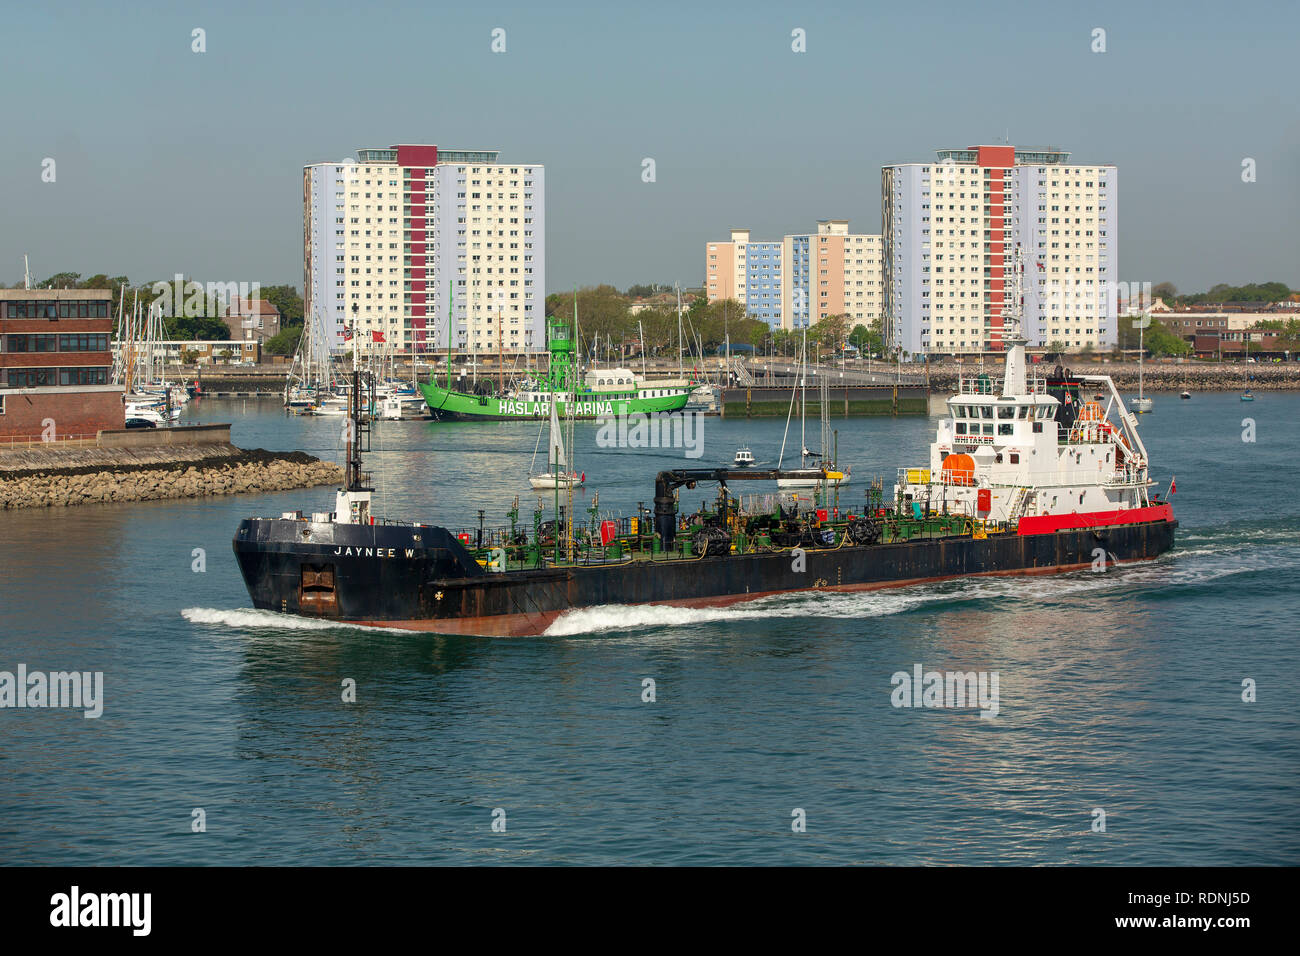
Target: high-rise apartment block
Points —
{"points": [[801, 279], [417, 247], [957, 231]]}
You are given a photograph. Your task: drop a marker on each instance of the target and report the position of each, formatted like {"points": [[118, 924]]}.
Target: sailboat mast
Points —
{"points": [[803, 400], [575, 373], [1141, 353], [680, 370]]}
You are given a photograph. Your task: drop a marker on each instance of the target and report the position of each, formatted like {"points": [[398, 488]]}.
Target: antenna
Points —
{"points": [[27, 273]]}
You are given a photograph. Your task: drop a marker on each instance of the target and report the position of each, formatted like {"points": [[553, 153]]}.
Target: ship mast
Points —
{"points": [[1013, 381], [353, 500]]}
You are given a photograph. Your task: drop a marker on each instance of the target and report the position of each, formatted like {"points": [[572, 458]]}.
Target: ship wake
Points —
{"points": [[1168, 573], [252, 619]]}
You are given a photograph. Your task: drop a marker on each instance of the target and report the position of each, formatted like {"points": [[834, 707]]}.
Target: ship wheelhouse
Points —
{"points": [[1024, 446]]}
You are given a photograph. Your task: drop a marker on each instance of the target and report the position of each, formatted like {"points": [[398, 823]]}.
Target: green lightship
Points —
{"points": [[607, 392]]}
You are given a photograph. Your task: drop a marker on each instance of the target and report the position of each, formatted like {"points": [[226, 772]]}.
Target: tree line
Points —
{"points": [[1261, 292], [607, 323]]}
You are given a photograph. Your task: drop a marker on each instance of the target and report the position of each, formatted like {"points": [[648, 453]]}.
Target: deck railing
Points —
{"points": [[33, 441]]}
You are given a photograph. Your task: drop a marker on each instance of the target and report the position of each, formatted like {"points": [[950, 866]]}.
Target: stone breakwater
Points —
{"points": [[1192, 376], [61, 477]]}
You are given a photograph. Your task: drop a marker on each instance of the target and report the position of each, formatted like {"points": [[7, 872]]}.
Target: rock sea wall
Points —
{"points": [[57, 477]]}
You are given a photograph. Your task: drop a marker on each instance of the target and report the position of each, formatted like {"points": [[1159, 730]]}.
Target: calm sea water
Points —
{"points": [[1120, 691]]}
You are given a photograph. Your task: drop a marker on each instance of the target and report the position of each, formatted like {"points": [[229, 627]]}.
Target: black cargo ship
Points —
{"points": [[352, 567], [423, 577]]}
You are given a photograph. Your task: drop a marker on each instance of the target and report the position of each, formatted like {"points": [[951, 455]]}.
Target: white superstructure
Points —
{"points": [[1023, 446]]}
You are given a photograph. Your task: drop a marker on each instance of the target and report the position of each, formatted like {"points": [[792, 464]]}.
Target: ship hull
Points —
{"points": [[376, 575], [449, 405]]}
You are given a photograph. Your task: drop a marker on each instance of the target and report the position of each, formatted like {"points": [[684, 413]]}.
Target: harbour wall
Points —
{"points": [[844, 401], [1156, 376], [140, 466]]}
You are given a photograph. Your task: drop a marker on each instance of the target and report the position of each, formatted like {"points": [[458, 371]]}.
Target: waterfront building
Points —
{"points": [[801, 279], [418, 247], [56, 363], [252, 320], [954, 230], [208, 352], [1225, 334]]}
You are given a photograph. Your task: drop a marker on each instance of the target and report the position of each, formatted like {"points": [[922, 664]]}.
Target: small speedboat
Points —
{"points": [[1247, 396], [744, 457], [151, 412], [1184, 395]]}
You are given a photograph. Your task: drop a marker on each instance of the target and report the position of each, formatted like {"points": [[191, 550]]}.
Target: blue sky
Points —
{"points": [[170, 161]]}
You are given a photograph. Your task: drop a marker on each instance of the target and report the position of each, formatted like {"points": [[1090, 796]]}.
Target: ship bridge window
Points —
{"points": [[1006, 428], [1006, 411], [986, 411], [988, 429], [1024, 410], [961, 428]]}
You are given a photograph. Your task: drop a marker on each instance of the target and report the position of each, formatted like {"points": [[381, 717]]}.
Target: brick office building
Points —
{"points": [[56, 363]]}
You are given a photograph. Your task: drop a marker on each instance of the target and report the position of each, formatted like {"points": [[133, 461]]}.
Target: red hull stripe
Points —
{"points": [[1046, 524]]}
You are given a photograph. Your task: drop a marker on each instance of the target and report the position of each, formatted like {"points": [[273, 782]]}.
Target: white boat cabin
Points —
{"points": [[1010, 449]]}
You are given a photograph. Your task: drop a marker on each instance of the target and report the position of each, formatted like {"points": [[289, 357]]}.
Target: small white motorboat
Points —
{"points": [[744, 457]]}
